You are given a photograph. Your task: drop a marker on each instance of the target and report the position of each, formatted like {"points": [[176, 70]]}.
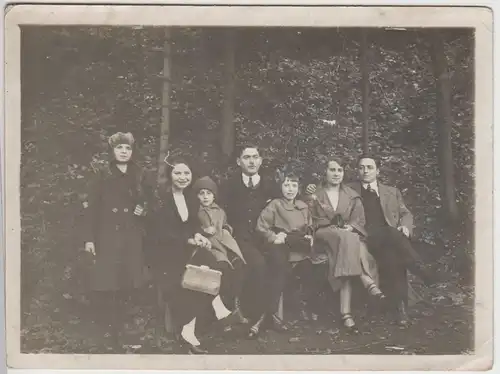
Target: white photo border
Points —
{"points": [[128, 15]]}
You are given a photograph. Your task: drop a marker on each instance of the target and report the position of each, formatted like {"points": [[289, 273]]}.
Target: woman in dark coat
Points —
{"points": [[339, 219], [113, 231], [174, 239]]}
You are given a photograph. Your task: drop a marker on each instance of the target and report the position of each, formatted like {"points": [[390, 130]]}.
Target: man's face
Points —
{"points": [[367, 169], [249, 161]]}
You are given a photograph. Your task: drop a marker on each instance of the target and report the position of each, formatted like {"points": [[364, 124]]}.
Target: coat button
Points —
{"points": [[125, 210], [114, 210]]}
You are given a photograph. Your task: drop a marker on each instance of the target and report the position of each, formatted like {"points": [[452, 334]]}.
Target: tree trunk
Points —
{"points": [[365, 89], [228, 133], [444, 125], [165, 110]]}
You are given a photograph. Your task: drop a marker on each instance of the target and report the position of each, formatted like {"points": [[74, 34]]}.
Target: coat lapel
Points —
{"points": [[356, 186], [324, 203], [384, 199]]}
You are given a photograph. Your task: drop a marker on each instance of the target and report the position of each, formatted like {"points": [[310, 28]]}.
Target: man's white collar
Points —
{"points": [[255, 179]]}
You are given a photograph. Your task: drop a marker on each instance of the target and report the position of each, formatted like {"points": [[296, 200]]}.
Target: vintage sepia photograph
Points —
{"points": [[233, 190]]}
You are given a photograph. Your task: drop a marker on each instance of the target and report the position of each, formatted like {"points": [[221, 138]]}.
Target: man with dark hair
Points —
{"points": [[389, 224], [244, 196]]}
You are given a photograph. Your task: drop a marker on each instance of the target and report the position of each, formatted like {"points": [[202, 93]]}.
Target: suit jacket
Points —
{"points": [[395, 211], [350, 207], [242, 205]]}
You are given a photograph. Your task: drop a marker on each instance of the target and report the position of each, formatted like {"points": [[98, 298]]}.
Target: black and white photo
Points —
{"points": [[236, 189]]}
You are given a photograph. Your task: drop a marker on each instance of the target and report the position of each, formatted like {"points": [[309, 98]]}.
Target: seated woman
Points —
{"points": [[172, 242], [338, 219], [285, 224]]}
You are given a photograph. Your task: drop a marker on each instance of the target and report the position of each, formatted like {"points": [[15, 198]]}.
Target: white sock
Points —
{"points": [[188, 333], [220, 309]]}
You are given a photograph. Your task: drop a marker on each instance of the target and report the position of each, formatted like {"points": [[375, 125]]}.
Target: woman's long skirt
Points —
{"points": [[347, 255]]}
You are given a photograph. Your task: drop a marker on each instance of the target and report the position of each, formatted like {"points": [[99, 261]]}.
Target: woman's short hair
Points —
{"points": [[291, 175]]}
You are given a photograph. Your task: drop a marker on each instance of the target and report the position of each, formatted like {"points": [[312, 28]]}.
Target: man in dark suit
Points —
{"points": [[244, 196], [389, 224]]}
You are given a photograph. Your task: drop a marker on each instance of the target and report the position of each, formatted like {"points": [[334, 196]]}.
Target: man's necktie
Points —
{"points": [[250, 182], [371, 190]]}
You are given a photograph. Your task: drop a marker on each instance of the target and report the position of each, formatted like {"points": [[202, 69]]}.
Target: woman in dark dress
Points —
{"points": [[174, 240], [113, 232]]}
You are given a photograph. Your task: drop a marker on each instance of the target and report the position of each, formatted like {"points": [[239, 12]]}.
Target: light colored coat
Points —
{"points": [[346, 251], [395, 211], [285, 216], [222, 240]]}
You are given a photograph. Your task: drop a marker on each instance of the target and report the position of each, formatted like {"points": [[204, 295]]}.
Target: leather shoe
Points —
{"points": [[196, 350], [351, 328], [255, 329], [277, 324], [237, 312], [192, 349]]}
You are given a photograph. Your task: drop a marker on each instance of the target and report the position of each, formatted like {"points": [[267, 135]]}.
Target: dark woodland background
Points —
{"points": [[299, 93]]}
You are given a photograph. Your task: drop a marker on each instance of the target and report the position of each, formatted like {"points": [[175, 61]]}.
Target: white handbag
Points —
{"points": [[202, 279]]}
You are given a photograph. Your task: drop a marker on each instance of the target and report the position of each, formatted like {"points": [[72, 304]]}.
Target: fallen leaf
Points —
{"points": [[394, 348]]}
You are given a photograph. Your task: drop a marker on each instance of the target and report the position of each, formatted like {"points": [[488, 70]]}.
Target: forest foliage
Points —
{"points": [[297, 92]]}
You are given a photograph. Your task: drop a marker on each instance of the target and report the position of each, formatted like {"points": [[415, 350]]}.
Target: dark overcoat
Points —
{"points": [[168, 252], [167, 247], [110, 223]]}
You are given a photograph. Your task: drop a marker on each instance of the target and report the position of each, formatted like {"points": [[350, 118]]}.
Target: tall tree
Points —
{"points": [[444, 125], [165, 108], [228, 133], [365, 89]]}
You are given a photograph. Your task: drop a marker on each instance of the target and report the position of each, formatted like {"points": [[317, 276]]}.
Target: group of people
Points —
{"points": [[248, 229]]}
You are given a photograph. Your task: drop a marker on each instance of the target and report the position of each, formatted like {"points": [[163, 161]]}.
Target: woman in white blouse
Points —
{"points": [[339, 219], [172, 238]]}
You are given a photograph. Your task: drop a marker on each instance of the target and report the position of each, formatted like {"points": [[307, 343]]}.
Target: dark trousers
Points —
{"points": [[232, 281], [254, 282], [230, 288], [279, 271], [185, 304], [394, 255]]}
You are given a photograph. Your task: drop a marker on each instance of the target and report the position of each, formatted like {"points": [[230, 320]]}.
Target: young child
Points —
{"points": [[214, 225], [286, 225], [286, 221]]}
